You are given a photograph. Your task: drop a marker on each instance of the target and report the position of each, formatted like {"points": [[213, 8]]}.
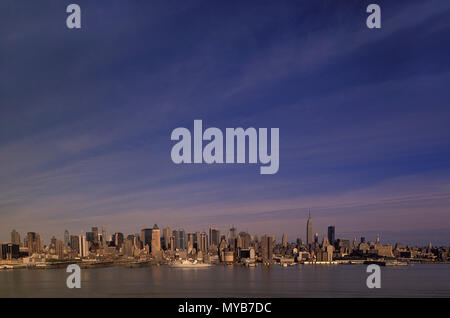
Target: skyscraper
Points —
{"points": [[94, 231], [66, 238], [284, 240], [104, 236], [309, 234], [83, 249], [214, 236], [231, 236], [15, 237], [203, 243], [155, 246], [181, 239], [146, 237], [33, 243], [166, 237], [267, 248], [74, 245], [331, 234]]}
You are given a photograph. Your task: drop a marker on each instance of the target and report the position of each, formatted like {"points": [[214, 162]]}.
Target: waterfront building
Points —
{"points": [[155, 246], [33, 243], [9, 251], [83, 247], [309, 235], [266, 248]]}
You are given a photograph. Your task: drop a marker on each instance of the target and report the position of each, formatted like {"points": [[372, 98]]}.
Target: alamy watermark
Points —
{"points": [[74, 279], [374, 279], [218, 151]]}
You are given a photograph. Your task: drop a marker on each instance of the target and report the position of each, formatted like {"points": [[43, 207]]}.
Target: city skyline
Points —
{"points": [[214, 238], [86, 117]]}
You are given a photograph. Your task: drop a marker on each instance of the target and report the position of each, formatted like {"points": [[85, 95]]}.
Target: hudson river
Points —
{"points": [[231, 281]]}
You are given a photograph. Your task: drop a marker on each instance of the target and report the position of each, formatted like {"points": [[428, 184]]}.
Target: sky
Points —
{"points": [[86, 116]]}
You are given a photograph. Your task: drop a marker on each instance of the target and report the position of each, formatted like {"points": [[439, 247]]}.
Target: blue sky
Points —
{"points": [[86, 116]]}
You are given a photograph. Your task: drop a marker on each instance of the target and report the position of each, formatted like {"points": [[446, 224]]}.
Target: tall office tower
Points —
{"points": [[197, 241], [331, 234], [94, 231], [90, 236], [203, 243], [74, 245], [128, 246], [244, 240], [83, 248], [309, 234], [66, 238], [146, 237], [267, 248], [15, 237], [190, 242], [176, 239], [33, 243], [118, 239], [182, 239], [166, 237], [104, 239], [284, 240], [59, 249], [316, 238], [155, 246], [214, 236], [231, 236], [377, 241]]}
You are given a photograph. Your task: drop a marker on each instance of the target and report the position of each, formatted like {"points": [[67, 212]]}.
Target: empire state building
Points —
{"points": [[309, 235]]}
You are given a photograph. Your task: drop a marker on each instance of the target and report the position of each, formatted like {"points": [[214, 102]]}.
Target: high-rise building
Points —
{"points": [[232, 236], [309, 234], [190, 242], [284, 240], [316, 238], [33, 243], [267, 248], [166, 237], [66, 238], [146, 237], [203, 243], [15, 237], [155, 246], [104, 238], [331, 234], [9, 251], [118, 239], [83, 247], [181, 239], [243, 240], [214, 236], [74, 244], [59, 249], [94, 231]]}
